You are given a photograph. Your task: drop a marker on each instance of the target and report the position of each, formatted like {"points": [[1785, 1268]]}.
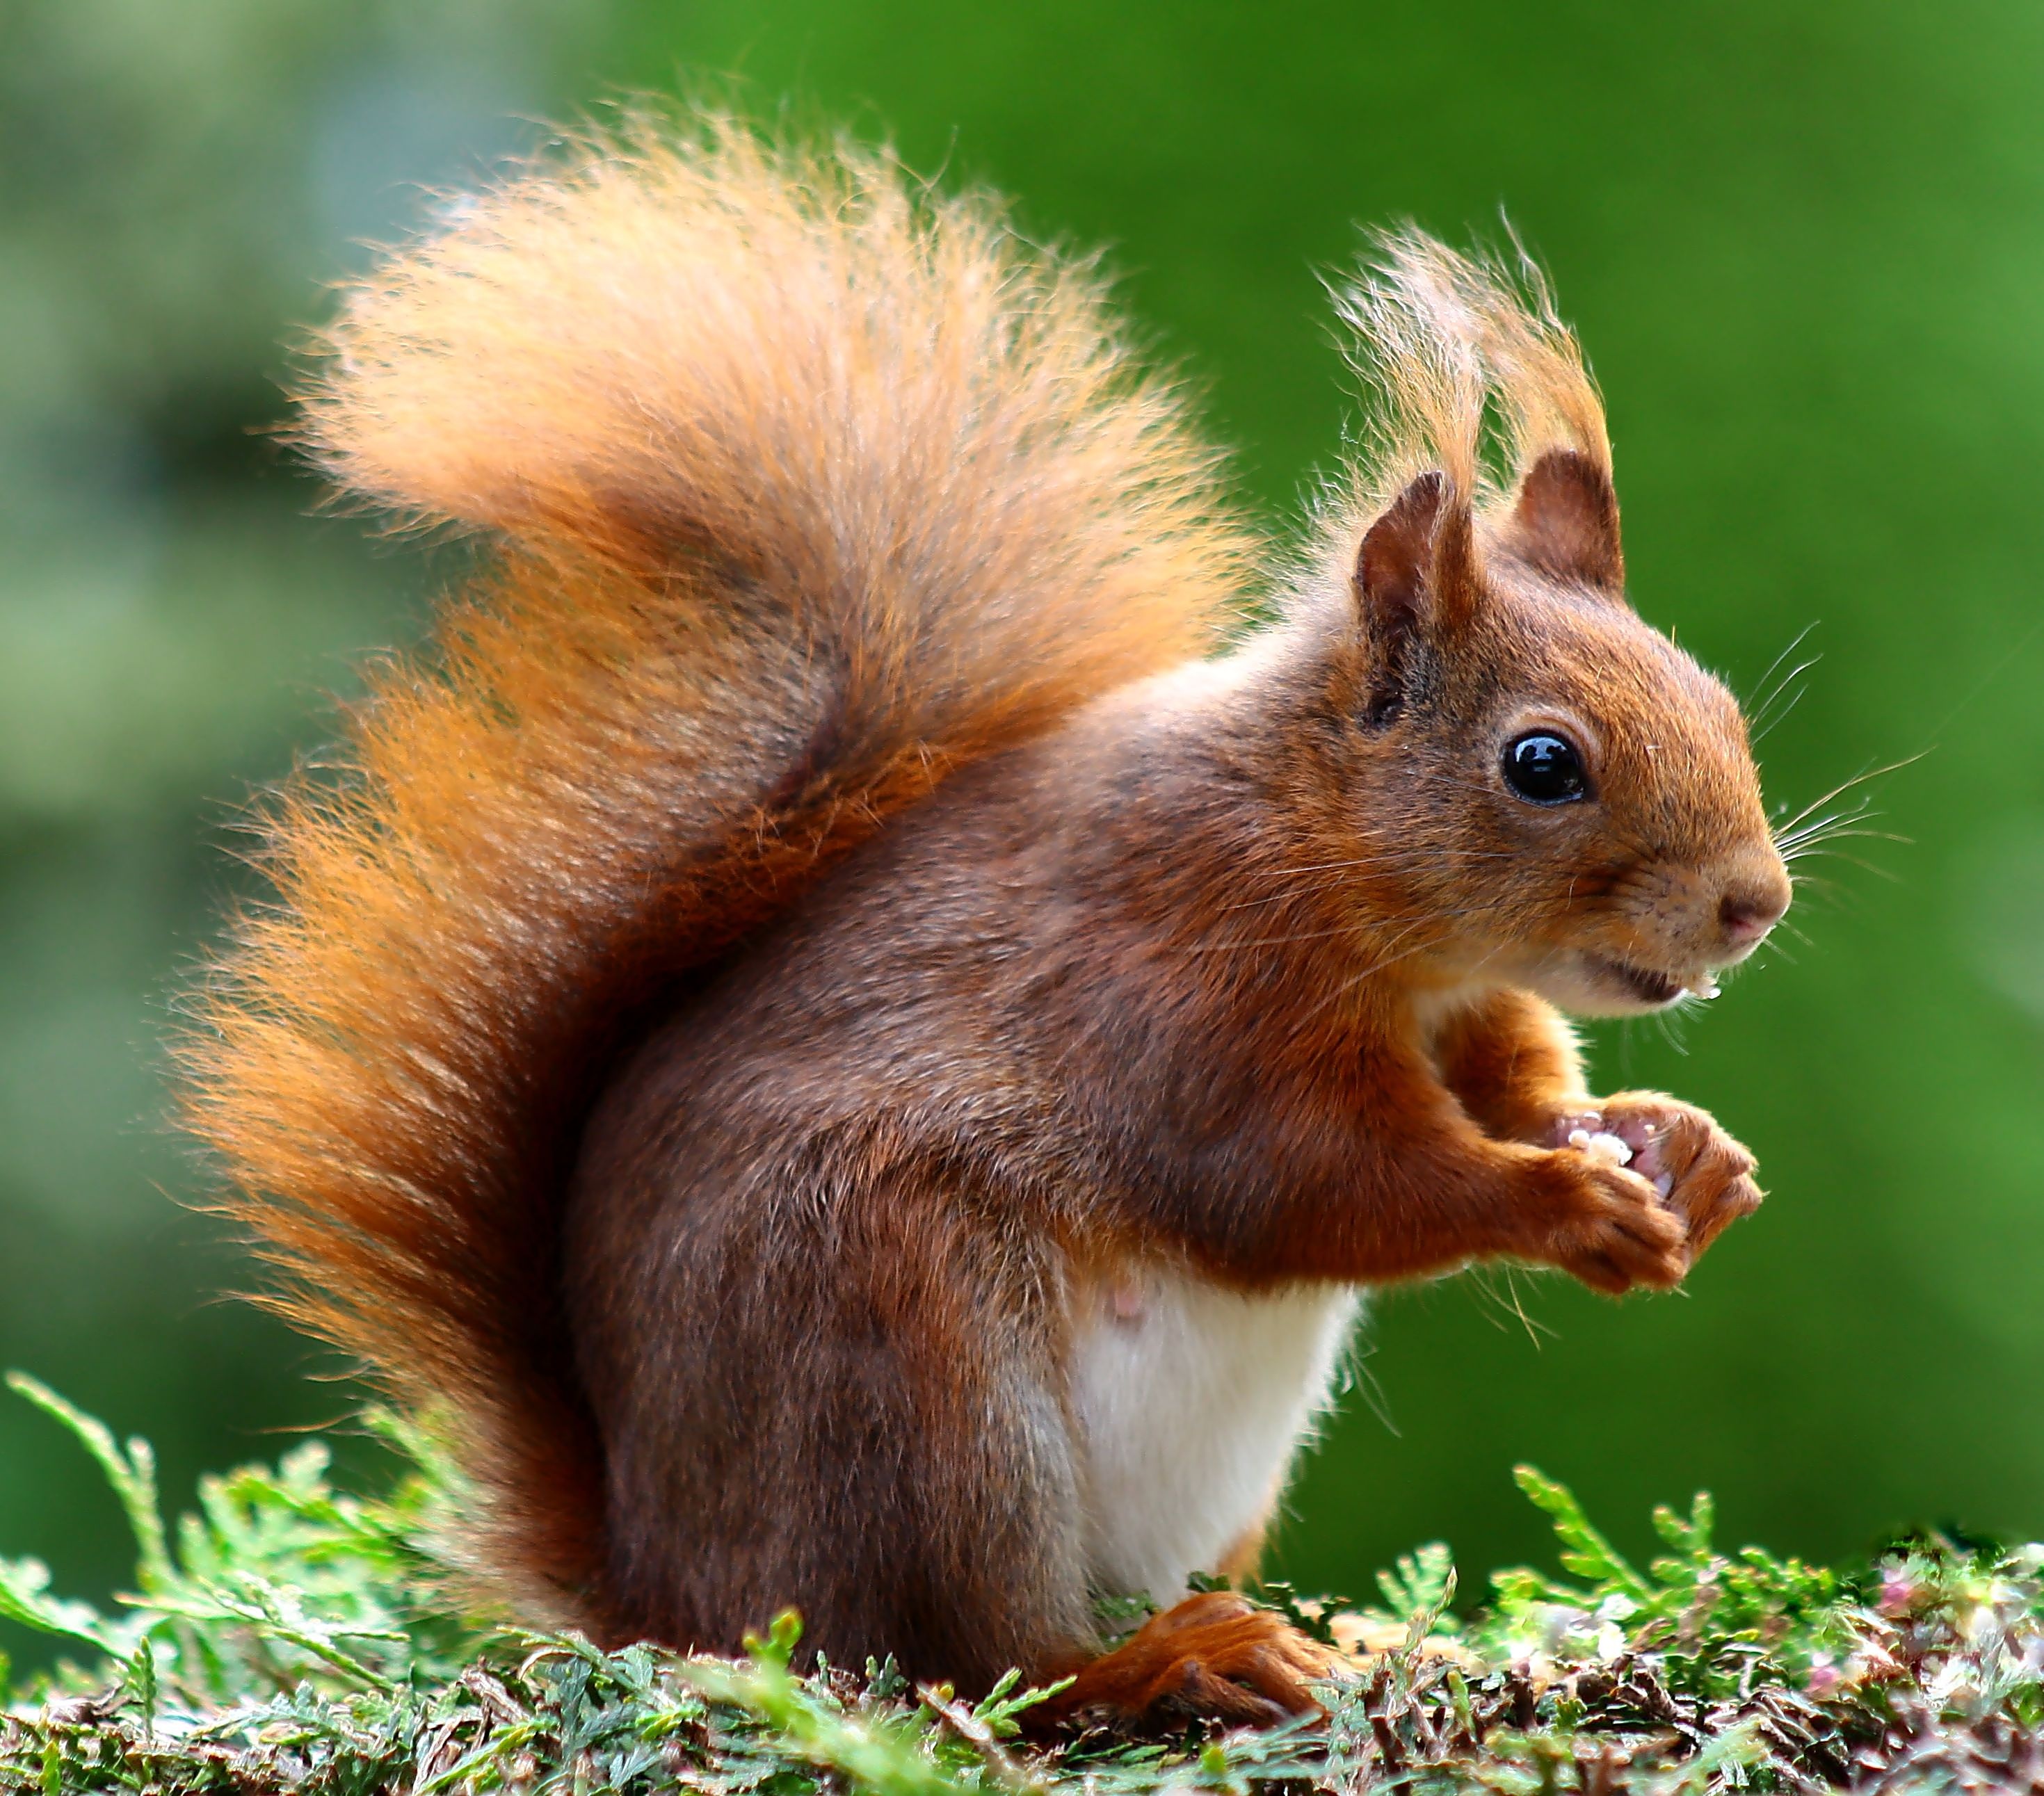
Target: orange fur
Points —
{"points": [[1437, 337]]}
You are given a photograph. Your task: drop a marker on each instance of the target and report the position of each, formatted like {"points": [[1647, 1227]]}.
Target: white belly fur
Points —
{"points": [[1191, 1402]]}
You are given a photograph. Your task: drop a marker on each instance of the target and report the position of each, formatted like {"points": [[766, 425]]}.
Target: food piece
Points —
{"points": [[1599, 1146]]}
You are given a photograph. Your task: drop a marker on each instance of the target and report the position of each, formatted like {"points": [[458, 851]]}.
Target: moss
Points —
{"points": [[291, 1636]]}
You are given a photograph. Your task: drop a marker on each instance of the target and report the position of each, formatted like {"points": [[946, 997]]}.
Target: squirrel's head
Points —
{"points": [[1568, 796], [1562, 785]]}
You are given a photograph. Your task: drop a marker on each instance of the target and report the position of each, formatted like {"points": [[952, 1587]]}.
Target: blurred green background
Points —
{"points": [[1805, 245]]}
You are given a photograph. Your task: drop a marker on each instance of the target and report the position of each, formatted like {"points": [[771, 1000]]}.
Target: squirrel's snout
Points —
{"points": [[1752, 906]]}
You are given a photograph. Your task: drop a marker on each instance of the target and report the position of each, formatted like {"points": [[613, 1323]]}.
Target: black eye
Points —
{"points": [[1545, 768]]}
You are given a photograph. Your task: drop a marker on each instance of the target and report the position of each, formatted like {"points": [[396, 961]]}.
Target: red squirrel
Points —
{"points": [[851, 1030]]}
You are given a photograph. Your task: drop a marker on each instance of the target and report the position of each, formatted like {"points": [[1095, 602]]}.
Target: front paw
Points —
{"points": [[1607, 1225], [1703, 1176]]}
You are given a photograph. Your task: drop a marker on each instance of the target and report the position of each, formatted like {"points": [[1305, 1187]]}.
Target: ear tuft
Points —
{"points": [[1565, 521]]}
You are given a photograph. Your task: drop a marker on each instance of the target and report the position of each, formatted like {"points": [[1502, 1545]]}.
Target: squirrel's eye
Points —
{"points": [[1545, 768]]}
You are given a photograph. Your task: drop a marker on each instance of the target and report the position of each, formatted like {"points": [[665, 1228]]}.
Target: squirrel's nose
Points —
{"points": [[1749, 909]]}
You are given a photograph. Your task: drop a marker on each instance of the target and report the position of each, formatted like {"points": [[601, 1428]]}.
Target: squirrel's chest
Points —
{"points": [[1190, 1402]]}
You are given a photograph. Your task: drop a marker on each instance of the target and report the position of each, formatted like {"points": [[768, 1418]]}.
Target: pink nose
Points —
{"points": [[1746, 915]]}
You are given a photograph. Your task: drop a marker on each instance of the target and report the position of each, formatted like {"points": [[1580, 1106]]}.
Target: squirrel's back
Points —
{"points": [[806, 487]]}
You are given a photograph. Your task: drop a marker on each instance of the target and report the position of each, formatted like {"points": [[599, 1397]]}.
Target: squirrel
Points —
{"points": [[853, 1024]]}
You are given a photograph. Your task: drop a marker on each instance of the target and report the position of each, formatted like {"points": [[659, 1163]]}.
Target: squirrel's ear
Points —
{"points": [[1565, 521], [1415, 580], [1417, 568]]}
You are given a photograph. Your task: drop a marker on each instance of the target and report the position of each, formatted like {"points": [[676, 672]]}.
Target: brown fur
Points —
{"points": [[835, 746]]}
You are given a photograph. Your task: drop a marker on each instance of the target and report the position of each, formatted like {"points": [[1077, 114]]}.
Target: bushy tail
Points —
{"points": [[807, 486]]}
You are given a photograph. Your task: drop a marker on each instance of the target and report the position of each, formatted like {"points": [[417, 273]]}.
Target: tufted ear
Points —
{"points": [[1415, 582], [1566, 522], [1416, 568]]}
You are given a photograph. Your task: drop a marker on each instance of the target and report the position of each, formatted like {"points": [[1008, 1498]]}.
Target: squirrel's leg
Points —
{"points": [[1513, 1062], [1410, 1187], [851, 1406], [833, 1388]]}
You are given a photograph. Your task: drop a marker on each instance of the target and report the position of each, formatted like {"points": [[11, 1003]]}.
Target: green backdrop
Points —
{"points": [[1804, 244]]}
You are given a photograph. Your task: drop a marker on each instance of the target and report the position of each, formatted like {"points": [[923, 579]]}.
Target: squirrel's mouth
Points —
{"points": [[1639, 982]]}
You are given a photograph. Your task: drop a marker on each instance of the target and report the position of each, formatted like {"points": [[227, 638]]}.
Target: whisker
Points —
{"points": [[1485, 1281], [1857, 813], [1534, 1330], [1765, 725], [1847, 785], [1816, 884], [1671, 1031], [1362, 1378], [1787, 681], [1819, 849], [1854, 860], [1820, 826], [1307, 886], [1350, 984], [1415, 856], [1231, 947], [1853, 807], [1816, 851], [1795, 643]]}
